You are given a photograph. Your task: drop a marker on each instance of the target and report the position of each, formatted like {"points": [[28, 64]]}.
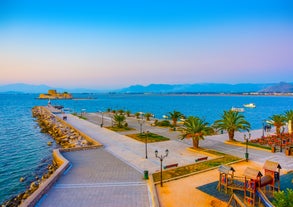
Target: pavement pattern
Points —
{"points": [[114, 175], [97, 178]]}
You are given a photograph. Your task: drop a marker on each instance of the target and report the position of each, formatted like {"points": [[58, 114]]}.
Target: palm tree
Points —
{"points": [[120, 111], [147, 116], [137, 115], [196, 129], [232, 121], [175, 115], [128, 112], [278, 121], [119, 120], [289, 117]]}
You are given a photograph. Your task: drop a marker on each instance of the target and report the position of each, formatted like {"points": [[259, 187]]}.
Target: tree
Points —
{"points": [[119, 120], [175, 115], [128, 112], [289, 116], [232, 121], [137, 115], [283, 198], [278, 121], [147, 116], [196, 129], [120, 111]]}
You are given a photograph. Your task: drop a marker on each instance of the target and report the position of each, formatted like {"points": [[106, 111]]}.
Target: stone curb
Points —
{"points": [[45, 186]]}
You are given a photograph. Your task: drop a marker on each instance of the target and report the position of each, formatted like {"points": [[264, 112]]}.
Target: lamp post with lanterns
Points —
{"points": [[161, 158]]}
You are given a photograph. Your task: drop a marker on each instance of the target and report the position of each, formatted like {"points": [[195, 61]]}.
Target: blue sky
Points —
{"points": [[112, 44]]}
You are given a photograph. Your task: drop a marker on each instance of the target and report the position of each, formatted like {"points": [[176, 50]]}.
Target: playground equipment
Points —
{"points": [[253, 183]]}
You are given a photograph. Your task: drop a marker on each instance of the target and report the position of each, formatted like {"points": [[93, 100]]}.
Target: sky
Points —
{"points": [[118, 43]]}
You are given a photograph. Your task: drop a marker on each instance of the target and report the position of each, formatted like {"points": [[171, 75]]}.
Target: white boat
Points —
{"points": [[165, 117], [237, 109], [250, 105]]}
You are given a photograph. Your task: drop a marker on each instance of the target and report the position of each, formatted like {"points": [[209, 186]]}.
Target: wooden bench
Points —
{"points": [[201, 159], [169, 166]]}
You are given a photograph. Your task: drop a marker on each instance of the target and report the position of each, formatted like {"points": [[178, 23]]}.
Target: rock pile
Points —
{"points": [[64, 135], [16, 201]]}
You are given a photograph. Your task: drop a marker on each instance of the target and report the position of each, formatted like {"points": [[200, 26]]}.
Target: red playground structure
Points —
{"points": [[253, 183]]}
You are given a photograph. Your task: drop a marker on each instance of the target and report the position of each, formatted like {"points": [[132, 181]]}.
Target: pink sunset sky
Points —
{"points": [[100, 45]]}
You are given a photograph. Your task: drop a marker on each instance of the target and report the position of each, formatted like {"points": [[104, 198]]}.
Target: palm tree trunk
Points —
{"points": [[231, 135], [278, 130], [174, 122], [195, 142]]}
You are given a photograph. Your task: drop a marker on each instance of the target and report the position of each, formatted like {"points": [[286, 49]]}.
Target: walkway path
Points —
{"points": [[217, 142], [97, 176]]}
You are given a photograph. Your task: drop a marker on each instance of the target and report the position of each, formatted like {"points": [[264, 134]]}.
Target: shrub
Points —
{"points": [[283, 198], [164, 123]]}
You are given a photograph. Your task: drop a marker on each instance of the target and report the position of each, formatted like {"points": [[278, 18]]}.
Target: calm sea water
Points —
{"points": [[24, 151]]}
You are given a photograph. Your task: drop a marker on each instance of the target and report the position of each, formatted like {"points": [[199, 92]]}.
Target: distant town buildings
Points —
{"points": [[52, 94]]}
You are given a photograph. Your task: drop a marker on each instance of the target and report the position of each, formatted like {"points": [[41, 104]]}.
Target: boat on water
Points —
{"points": [[250, 105], [237, 109]]}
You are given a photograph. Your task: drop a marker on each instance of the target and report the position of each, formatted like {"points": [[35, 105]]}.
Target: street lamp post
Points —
{"points": [[146, 144], [140, 122], [102, 122], [263, 128], [281, 137], [246, 139], [161, 158]]}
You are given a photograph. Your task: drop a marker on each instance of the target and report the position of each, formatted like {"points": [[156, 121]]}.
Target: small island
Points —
{"points": [[52, 94]]}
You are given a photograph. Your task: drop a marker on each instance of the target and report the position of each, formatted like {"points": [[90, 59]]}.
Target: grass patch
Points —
{"points": [[151, 137], [79, 116], [257, 145], [196, 167], [119, 129]]}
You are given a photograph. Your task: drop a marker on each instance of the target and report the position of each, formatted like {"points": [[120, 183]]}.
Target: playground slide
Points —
{"points": [[263, 198]]}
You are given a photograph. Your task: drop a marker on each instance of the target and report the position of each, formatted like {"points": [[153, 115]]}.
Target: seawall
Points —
{"points": [[57, 126]]}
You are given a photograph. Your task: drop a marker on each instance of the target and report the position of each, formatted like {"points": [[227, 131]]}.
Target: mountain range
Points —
{"points": [[281, 87], [212, 88]]}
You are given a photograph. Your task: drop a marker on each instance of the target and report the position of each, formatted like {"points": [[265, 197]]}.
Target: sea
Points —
{"points": [[24, 152]]}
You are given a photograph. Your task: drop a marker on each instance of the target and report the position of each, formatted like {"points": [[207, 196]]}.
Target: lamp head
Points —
{"points": [[167, 152], [156, 153]]}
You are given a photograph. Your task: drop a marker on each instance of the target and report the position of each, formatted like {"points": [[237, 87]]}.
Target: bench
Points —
{"points": [[201, 159], [169, 166]]}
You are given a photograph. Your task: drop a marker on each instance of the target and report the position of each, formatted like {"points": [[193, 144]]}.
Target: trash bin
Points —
{"points": [[246, 155], [146, 174]]}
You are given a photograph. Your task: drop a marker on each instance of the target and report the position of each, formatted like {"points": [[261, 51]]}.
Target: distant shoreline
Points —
{"points": [[207, 94], [155, 93]]}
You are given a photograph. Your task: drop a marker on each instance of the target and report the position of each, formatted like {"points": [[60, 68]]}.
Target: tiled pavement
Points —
{"points": [[91, 182], [97, 178]]}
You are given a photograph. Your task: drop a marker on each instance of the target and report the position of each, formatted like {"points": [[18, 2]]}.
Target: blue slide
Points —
{"points": [[265, 201]]}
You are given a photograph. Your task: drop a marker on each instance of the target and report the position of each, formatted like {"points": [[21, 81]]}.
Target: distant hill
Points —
{"points": [[23, 88], [28, 88], [197, 88], [279, 88], [162, 88]]}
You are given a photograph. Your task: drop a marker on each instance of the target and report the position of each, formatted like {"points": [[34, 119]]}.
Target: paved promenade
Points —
{"points": [[178, 147], [115, 173], [97, 178]]}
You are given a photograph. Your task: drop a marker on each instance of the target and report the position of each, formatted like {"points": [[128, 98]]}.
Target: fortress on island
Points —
{"points": [[52, 94]]}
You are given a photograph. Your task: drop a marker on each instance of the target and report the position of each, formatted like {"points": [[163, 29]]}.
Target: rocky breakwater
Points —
{"points": [[17, 200], [62, 133]]}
